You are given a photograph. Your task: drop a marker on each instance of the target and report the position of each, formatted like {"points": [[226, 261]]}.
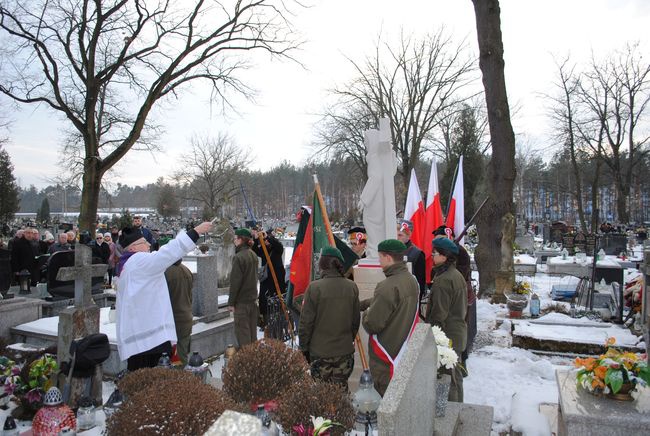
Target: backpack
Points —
{"points": [[88, 352]]}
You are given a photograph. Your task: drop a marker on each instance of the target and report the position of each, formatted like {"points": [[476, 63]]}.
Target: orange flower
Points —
{"points": [[589, 363], [597, 383], [600, 372], [610, 341]]}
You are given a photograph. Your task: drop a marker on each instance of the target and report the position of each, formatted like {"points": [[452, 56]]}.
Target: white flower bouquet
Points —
{"points": [[447, 357]]}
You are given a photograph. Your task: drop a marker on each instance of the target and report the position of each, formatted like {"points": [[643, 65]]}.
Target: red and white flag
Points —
{"points": [[433, 216], [456, 211], [414, 211]]}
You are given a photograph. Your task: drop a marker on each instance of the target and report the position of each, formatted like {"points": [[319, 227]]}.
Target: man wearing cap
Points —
{"points": [[329, 321], [242, 298], [413, 254], [358, 240], [392, 313], [144, 318], [448, 305], [463, 265]]}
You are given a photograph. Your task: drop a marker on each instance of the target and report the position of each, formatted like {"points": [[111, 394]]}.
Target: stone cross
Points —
{"points": [[378, 196], [81, 320], [82, 273]]}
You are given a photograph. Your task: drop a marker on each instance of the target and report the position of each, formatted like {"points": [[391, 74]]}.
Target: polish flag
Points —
{"points": [[414, 211], [433, 216], [456, 211]]}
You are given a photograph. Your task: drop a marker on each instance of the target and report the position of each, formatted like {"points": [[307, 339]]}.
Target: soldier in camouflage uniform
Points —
{"points": [[242, 298], [329, 321]]}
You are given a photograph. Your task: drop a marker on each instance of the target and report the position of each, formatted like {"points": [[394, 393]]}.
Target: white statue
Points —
{"points": [[378, 196]]}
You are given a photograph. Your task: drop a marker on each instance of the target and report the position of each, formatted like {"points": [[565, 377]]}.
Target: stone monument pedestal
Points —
{"points": [[581, 413], [75, 323]]}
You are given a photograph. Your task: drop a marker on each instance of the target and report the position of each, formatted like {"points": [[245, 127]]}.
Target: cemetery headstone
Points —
{"points": [[580, 242], [5, 272], [613, 243], [205, 292], [81, 320], [590, 244], [568, 243]]}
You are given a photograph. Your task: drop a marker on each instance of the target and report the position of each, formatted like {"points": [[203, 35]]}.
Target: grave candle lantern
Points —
{"points": [[366, 402], [24, 280]]}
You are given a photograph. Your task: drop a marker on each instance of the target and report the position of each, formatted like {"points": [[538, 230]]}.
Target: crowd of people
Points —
{"points": [[154, 295]]}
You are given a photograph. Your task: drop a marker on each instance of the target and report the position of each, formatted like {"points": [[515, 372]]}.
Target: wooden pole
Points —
{"points": [[269, 264], [330, 238]]}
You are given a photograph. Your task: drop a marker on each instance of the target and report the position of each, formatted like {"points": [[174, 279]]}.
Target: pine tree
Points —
{"points": [[43, 214], [167, 205], [9, 200]]}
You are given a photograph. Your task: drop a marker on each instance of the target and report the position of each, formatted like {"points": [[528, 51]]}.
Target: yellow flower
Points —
{"points": [[610, 341]]}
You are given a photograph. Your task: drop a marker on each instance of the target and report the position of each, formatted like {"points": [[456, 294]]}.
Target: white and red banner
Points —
{"points": [[456, 211], [414, 211], [433, 216]]}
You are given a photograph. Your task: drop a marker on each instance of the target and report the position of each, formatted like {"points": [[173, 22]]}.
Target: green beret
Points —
{"points": [[446, 245], [391, 246], [243, 232], [331, 251], [163, 240]]}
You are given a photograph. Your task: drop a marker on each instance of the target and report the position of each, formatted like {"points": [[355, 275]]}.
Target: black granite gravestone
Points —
{"points": [[65, 289], [5, 271]]}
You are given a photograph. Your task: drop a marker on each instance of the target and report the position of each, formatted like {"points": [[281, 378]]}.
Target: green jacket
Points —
{"points": [[330, 316], [243, 277], [393, 309], [448, 305], [179, 281]]}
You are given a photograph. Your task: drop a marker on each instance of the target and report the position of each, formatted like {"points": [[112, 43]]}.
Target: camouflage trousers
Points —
{"points": [[333, 369]]}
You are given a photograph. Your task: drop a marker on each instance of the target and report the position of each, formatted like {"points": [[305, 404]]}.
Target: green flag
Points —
{"points": [[319, 237]]}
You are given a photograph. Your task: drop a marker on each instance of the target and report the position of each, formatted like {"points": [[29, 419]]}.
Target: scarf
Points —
{"points": [[120, 264]]}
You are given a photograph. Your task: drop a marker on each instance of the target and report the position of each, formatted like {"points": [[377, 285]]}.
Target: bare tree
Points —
{"points": [[210, 172], [617, 93], [411, 85], [103, 65], [563, 115], [495, 224]]}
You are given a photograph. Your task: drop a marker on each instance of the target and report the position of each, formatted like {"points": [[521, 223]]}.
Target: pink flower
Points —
{"points": [[34, 396]]}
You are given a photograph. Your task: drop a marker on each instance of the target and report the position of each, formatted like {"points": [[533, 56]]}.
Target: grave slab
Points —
{"points": [[465, 420], [16, 311], [209, 339], [571, 337], [581, 413]]}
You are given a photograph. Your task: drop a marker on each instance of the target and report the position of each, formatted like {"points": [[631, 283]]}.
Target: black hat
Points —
{"points": [[129, 236], [444, 231], [357, 234]]}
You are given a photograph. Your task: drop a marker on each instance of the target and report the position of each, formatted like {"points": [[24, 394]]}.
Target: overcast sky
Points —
{"points": [[279, 124]]}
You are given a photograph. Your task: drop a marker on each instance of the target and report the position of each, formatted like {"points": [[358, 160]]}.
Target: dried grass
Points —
{"points": [[315, 398], [263, 370], [173, 406], [144, 378]]}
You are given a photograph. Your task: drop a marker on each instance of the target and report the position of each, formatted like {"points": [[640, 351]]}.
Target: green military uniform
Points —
{"points": [[447, 308], [390, 316], [329, 322], [179, 281], [243, 294]]}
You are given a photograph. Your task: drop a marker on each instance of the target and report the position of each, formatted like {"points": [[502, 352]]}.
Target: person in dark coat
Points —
{"points": [[413, 254], [242, 296], [23, 256], [179, 281], [447, 305], [463, 265], [100, 248], [329, 321], [391, 313], [267, 287]]}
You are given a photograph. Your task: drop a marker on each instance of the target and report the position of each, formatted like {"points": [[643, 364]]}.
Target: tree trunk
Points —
{"points": [[595, 210], [92, 181], [495, 224], [622, 193]]}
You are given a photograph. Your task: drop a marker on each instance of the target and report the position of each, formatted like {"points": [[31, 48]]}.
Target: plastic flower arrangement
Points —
{"points": [[522, 288], [32, 382], [447, 357], [611, 371]]}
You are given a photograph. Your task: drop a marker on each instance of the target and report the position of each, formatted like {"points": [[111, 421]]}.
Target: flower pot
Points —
{"points": [[442, 394], [516, 304], [625, 394]]}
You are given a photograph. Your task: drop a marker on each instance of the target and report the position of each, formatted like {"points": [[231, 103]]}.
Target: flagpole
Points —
{"points": [[451, 192], [269, 264], [330, 238]]}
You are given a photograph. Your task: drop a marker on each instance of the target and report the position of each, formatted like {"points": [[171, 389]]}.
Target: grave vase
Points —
{"points": [[443, 384], [625, 394]]}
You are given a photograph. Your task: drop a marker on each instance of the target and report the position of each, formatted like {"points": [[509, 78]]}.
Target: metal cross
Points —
{"points": [[82, 273]]}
